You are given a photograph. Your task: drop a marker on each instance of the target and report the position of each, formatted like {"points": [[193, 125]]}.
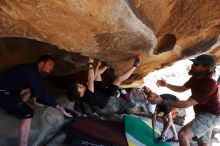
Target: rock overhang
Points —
{"points": [[112, 31]]}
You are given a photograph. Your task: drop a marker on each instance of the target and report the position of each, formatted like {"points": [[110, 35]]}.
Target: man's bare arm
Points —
{"points": [[175, 88], [180, 104]]}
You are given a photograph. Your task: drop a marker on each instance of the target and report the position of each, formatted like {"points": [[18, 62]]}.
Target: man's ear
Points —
{"points": [[209, 69]]}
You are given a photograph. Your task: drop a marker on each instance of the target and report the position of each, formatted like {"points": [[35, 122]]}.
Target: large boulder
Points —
{"points": [[113, 31], [45, 124]]}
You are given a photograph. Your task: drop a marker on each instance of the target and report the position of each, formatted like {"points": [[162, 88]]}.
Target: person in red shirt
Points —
{"points": [[204, 99]]}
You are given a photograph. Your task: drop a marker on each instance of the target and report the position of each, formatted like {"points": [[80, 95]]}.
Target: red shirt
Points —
{"points": [[205, 92]]}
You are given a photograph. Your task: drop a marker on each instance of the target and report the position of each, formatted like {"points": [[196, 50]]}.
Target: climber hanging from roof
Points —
{"points": [[95, 93]]}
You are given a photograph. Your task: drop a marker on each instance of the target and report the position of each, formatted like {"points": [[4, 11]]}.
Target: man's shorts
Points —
{"points": [[15, 106], [202, 126]]}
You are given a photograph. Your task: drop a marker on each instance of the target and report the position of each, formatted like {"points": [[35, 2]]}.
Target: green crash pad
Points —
{"points": [[139, 132]]}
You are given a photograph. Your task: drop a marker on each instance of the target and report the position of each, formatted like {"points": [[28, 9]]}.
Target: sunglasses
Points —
{"points": [[195, 64]]}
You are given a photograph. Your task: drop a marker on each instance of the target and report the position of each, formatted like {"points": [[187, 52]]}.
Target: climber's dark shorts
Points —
{"points": [[15, 106]]}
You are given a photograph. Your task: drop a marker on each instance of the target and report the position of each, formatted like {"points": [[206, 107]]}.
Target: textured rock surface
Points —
{"points": [[111, 30], [45, 124]]}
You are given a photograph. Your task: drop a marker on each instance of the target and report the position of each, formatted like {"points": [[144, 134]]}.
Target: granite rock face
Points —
{"points": [[113, 31], [45, 124]]}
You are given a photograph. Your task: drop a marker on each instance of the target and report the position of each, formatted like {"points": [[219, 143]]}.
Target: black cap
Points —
{"points": [[205, 59]]}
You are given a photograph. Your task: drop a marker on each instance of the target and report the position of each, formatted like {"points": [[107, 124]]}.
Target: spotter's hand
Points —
{"points": [[161, 83]]}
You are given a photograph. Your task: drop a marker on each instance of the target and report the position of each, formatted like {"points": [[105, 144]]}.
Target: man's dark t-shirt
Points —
{"points": [[25, 76], [205, 92]]}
